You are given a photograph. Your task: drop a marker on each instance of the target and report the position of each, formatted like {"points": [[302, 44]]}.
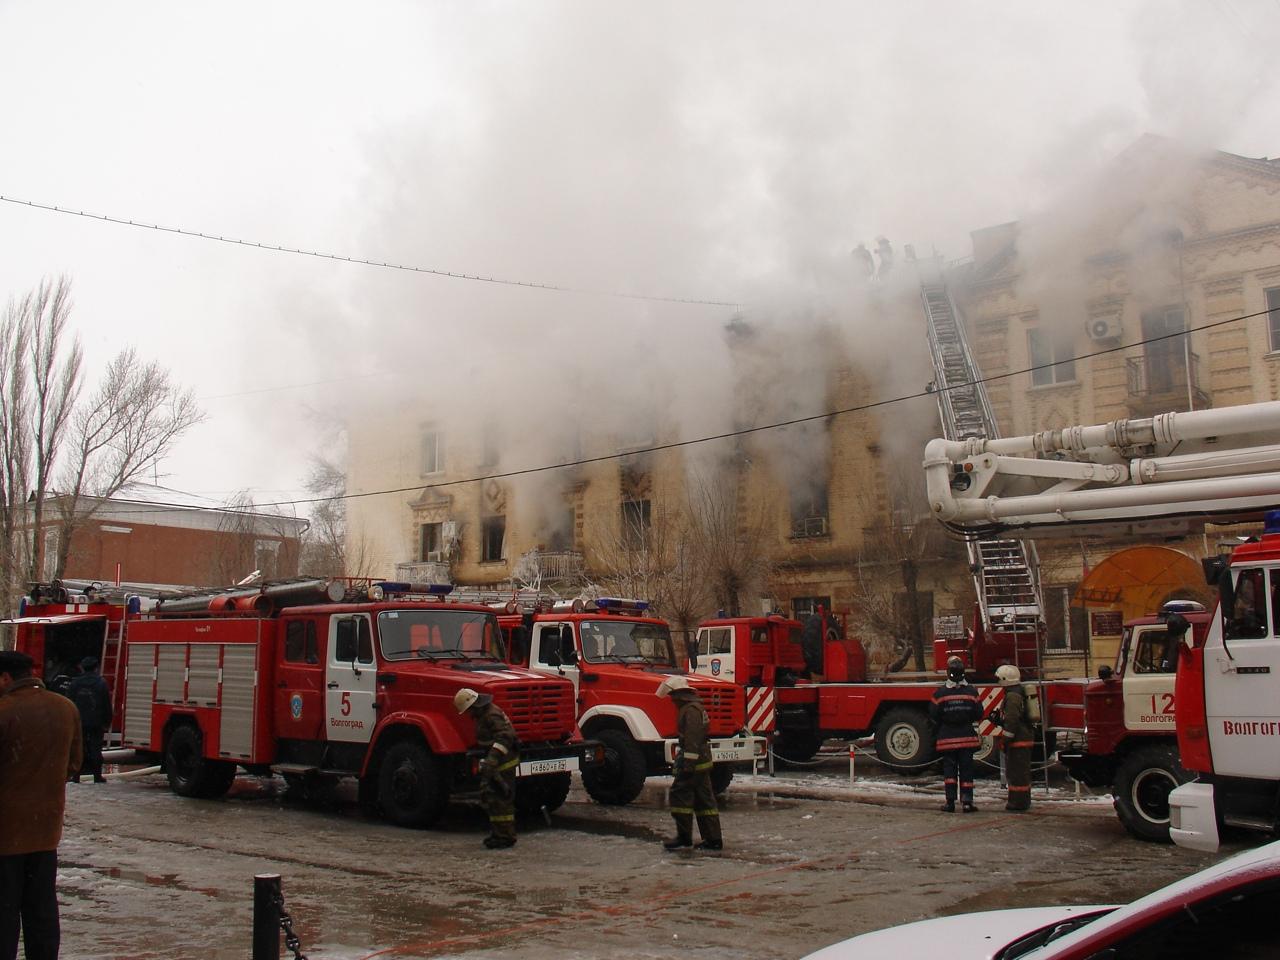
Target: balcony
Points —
{"points": [[1164, 381], [424, 571], [543, 567]]}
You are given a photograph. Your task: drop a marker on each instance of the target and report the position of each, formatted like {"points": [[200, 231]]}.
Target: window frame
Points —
{"points": [[433, 439], [1050, 351], [1271, 300], [487, 526]]}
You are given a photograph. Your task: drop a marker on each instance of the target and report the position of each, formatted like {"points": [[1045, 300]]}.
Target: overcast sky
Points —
{"points": [[686, 150]]}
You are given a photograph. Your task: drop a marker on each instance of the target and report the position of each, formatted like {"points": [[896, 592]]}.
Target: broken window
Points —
{"points": [[1273, 318], [804, 607], [810, 513], [493, 535], [635, 523]]}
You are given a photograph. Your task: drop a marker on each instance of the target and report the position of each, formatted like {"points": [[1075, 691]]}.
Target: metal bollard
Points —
{"points": [[853, 752], [266, 916]]}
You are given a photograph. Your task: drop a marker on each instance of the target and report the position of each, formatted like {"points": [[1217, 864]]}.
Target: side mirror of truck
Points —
{"points": [[553, 658]]}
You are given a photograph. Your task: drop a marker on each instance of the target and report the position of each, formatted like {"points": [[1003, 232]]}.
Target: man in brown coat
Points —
{"points": [[40, 749]]}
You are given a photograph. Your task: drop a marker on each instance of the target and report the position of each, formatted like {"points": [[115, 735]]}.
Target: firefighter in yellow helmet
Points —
{"points": [[495, 735], [691, 792], [1017, 738]]}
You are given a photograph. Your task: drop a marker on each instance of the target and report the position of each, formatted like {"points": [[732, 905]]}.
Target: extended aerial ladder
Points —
{"points": [[1005, 570]]}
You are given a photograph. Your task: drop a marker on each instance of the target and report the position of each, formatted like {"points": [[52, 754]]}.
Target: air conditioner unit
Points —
{"points": [[1105, 327], [434, 556]]}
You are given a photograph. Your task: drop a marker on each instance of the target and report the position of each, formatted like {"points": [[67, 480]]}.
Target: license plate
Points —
{"points": [[532, 768]]}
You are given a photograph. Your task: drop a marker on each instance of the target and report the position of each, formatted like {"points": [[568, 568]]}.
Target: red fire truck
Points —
{"points": [[1156, 477], [314, 679], [616, 656], [809, 686]]}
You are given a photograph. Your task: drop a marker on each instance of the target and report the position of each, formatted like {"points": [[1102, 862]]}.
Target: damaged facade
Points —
{"points": [[1181, 243]]}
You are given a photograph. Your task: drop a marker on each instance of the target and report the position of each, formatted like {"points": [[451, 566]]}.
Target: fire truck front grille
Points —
{"points": [[538, 711], [725, 710]]}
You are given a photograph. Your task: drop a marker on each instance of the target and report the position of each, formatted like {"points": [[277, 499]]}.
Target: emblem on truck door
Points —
{"points": [[715, 668], [295, 706]]}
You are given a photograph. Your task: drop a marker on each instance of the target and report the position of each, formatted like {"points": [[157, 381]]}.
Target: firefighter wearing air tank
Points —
{"points": [[691, 792], [1016, 737], [954, 711], [494, 734]]}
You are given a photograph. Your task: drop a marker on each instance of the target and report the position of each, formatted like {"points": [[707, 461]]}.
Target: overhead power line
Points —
{"points": [[780, 424], [433, 271]]}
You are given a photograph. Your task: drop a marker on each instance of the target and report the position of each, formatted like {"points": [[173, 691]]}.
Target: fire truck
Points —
{"points": [[314, 680], [616, 655], [1157, 477], [1116, 731], [805, 685]]}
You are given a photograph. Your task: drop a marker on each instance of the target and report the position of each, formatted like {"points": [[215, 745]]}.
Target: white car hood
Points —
{"points": [[968, 936]]}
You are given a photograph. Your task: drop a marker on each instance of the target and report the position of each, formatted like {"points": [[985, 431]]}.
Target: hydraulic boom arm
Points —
{"points": [[1167, 473]]}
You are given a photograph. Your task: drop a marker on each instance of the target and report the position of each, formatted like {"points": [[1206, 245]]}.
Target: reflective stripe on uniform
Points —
{"points": [[707, 813], [1022, 743], [949, 780], [1013, 789], [502, 818], [514, 761], [688, 810], [704, 766], [956, 743], [498, 746]]}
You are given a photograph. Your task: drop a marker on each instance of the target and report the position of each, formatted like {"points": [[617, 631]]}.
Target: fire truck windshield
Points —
{"points": [[623, 641], [439, 634]]}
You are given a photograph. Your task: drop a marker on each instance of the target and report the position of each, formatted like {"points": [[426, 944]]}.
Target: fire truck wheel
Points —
{"points": [[795, 746], [721, 777], [618, 780], [1144, 780], [904, 740], [550, 791], [411, 787], [190, 773]]}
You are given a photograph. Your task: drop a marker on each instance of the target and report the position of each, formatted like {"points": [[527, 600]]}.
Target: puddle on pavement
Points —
{"points": [[168, 881]]}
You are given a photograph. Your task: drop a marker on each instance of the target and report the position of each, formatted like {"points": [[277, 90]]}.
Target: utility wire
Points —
{"points": [[120, 221], [746, 431]]}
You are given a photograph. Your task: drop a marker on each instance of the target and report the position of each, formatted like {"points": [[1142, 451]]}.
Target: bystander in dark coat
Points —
{"points": [[40, 749]]}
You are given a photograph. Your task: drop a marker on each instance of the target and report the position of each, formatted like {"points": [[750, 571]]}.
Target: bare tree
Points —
{"points": [[324, 547], [15, 447], [129, 423], [897, 543], [54, 382], [729, 537]]}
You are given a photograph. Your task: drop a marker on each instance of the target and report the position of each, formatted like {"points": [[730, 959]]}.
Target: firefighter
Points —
{"points": [[1017, 738], [691, 792], [954, 711], [495, 734], [88, 691]]}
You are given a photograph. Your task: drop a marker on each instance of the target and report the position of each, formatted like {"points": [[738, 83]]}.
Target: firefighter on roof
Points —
{"points": [[1017, 738], [691, 792], [954, 711], [495, 734]]}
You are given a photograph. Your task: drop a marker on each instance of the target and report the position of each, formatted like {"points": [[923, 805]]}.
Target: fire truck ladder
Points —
{"points": [[1005, 572]]}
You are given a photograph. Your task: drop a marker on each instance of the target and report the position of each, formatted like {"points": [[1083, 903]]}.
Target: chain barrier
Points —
{"points": [[291, 941], [895, 765]]}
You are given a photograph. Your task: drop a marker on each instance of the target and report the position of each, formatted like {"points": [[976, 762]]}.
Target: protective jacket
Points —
{"points": [[495, 734], [692, 724], [954, 711], [1016, 724]]}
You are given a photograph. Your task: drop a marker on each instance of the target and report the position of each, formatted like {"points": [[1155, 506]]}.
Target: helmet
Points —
{"points": [[465, 699], [1007, 675], [955, 669], [673, 683]]}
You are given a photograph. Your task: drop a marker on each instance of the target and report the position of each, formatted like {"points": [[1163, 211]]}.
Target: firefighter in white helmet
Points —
{"points": [[495, 735], [691, 792], [954, 710], [1016, 737]]}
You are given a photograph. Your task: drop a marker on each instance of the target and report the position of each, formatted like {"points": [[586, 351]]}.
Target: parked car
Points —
{"points": [[1229, 911]]}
